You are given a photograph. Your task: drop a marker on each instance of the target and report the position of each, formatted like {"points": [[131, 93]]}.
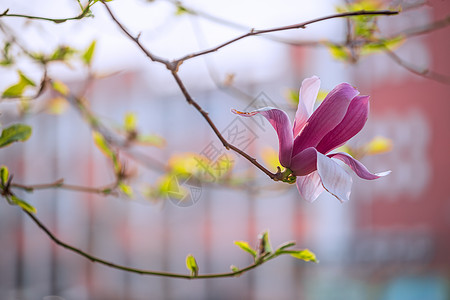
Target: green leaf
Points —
{"points": [[264, 244], [181, 10], [305, 255], [16, 90], [191, 265], [286, 245], [126, 189], [382, 45], [364, 26], [234, 268], [339, 52], [15, 133], [104, 146], [62, 53], [7, 58], [130, 121], [89, 53], [4, 175], [246, 247], [151, 140], [60, 87], [101, 143], [24, 205]]}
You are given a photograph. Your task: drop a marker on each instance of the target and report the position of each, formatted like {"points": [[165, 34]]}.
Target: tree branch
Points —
{"points": [[60, 184], [302, 25], [93, 258], [83, 14], [173, 67], [136, 40], [425, 73]]}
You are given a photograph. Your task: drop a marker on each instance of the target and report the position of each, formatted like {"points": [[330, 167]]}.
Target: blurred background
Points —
{"points": [[390, 241]]}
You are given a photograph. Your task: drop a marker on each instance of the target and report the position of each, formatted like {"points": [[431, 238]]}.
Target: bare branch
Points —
{"points": [[227, 145], [174, 69], [303, 25], [136, 40], [61, 185], [424, 29], [423, 73], [147, 272]]}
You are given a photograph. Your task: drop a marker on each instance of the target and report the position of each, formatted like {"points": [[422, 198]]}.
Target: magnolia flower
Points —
{"points": [[304, 148]]}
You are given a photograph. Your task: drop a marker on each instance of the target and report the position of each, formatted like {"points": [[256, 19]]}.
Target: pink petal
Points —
{"points": [[307, 97], [326, 117], [310, 186], [353, 122], [334, 178], [304, 163], [282, 125], [357, 167]]}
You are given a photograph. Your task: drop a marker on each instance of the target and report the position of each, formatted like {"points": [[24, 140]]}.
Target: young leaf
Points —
{"points": [[234, 268], [191, 265], [60, 87], [305, 255], [286, 245], [339, 52], [16, 90], [7, 57], [24, 205], [62, 53], [181, 10], [130, 122], [151, 140], [246, 247], [264, 244], [15, 133], [4, 175], [101, 143], [89, 53], [382, 45], [126, 189], [105, 148]]}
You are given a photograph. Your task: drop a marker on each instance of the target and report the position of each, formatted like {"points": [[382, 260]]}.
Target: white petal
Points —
{"points": [[306, 99], [334, 178], [308, 93], [310, 186]]}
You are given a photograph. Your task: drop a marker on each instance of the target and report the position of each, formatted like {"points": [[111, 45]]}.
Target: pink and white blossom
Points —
{"points": [[305, 147]]}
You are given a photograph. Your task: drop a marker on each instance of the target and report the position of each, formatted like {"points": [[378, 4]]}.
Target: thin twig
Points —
{"points": [[225, 22], [83, 13], [61, 185], [423, 73], [174, 66], [150, 55], [229, 87], [225, 143], [442, 23], [283, 28], [174, 69], [141, 271]]}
